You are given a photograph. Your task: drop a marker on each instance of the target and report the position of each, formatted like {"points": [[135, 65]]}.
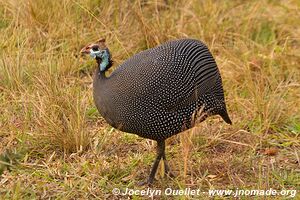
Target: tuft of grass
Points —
{"points": [[265, 34], [55, 145]]}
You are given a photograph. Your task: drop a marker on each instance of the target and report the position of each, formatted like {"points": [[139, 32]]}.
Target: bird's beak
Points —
{"points": [[86, 49]]}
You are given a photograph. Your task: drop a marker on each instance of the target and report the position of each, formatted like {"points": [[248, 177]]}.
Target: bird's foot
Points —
{"points": [[170, 174], [148, 182]]}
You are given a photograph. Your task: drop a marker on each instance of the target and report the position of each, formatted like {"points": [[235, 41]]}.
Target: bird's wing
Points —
{"points": [[182, 82], [176, 80]]}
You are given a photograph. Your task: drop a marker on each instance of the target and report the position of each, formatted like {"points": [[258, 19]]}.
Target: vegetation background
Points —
{"points": [[55, 145]]}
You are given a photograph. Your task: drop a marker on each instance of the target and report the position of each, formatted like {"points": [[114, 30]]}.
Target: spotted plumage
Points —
{"points": [[160, 92]]}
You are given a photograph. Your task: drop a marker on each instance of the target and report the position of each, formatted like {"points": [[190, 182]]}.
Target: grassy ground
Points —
{"points": [[54, 144]]}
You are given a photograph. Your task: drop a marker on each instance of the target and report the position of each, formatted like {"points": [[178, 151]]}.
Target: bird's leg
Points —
{"points": [[160, 153], [166, 166]]}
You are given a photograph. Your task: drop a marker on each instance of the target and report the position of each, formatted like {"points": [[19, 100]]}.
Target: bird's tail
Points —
{"points": [[225, 116]]}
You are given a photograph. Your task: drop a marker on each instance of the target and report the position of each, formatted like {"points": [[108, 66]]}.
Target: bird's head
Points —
{"points": [[100, 52]]}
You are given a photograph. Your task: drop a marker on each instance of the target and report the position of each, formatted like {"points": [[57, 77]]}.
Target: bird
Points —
{"points": [[158, 92]]}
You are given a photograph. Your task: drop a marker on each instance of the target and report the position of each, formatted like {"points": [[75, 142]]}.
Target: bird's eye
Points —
{"points": [[95, 48]]}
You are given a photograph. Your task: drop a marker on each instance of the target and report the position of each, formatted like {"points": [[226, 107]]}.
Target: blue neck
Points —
{"points": [[104, 56], [104, 63]]}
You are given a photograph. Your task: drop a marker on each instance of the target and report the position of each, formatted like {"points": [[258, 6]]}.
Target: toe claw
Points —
{"points": [[146, 182], [170, 174]]}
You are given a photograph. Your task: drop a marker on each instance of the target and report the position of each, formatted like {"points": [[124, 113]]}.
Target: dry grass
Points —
{"points": [[53, 142]]}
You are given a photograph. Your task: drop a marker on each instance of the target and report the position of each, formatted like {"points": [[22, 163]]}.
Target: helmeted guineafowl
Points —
{"points": [[158, 92]]}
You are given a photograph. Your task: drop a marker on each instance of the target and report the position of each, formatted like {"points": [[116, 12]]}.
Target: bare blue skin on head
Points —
{"points": [[104, 55]]}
